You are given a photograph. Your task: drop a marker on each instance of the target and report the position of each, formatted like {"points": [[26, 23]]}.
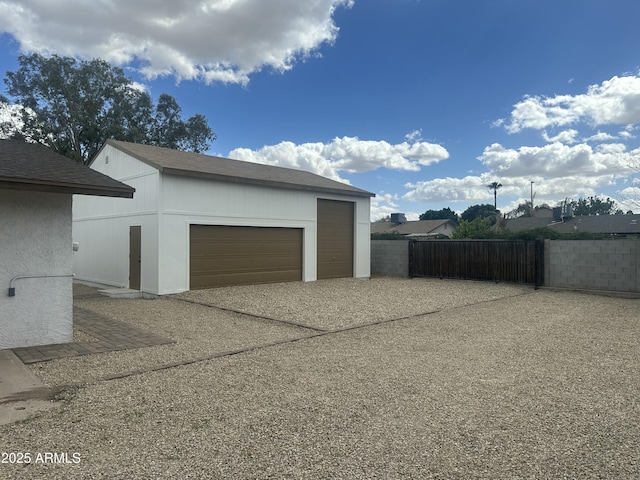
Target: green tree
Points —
{"points": [[75, 106], [479, 227], [444, 214], [495, 186], [480, 211], [595, 206]]}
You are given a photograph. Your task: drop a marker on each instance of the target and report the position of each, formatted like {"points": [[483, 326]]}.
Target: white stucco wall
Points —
{"points": [[166, 205], [35, 239]]}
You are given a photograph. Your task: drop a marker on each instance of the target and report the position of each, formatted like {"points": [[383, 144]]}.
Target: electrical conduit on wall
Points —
{"points": [[12, 289]]}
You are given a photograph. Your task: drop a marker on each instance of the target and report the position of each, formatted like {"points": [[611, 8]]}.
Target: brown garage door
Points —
{"points": [[223, 255], [335, 239]]}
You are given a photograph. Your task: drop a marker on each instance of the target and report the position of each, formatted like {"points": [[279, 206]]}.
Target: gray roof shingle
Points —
{"points": [[31, 166], [175, 162]]}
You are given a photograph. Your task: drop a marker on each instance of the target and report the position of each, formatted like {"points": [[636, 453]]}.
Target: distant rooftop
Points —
{"points": [[414, 227], [608, 224]]}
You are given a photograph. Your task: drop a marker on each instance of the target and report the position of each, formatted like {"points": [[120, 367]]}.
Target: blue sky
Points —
{"points": [[422, 102]]}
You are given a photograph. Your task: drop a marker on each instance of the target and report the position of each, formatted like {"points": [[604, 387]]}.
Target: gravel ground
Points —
{"points": [[340, 303], [502, 382]]}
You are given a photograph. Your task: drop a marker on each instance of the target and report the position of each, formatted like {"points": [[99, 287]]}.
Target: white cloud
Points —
{"points": [[473, 189], [629, 199], [382, 205], [470, 188], [627, 133], [566, 136], [558, 170], [600, 137], [414, 136], [211, 40], [556, 160], [615, 101], [347, 154]]}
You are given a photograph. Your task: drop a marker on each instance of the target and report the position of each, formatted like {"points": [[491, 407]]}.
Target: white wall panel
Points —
{"points": [[103, 256], [119, 165], [362, 240], [187, 195]]}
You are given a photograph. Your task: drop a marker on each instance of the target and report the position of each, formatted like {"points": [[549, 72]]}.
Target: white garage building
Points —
{"points": [[198, 221]]}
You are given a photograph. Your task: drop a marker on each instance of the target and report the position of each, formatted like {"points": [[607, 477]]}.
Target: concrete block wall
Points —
{"points": [[612, 265], [390, 258]]}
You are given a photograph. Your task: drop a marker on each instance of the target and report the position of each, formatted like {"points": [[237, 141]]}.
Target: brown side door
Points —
{"points": [[335, 239], [135, 256]]}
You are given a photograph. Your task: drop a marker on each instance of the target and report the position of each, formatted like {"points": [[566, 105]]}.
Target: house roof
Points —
{"points": [[611, 224], [34, 167], [526, 223], [414, 227], [175, 162]]}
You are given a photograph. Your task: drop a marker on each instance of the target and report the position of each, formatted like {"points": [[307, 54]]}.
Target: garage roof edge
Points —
{"points": [[189, 164]]}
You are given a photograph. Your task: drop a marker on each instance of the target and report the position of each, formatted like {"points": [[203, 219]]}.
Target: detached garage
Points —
{"points": [[200, 221]]}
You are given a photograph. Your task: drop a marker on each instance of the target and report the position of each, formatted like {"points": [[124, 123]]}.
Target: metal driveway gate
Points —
{"points": [[515, 261]]}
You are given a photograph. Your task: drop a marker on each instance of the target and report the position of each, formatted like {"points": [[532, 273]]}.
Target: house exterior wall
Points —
{"points": [[445, 229], [35, 239], [101, 224], [165, 205], [612, 265]]}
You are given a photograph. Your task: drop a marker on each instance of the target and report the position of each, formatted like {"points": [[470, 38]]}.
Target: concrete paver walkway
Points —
{"points": [[111, 335]]}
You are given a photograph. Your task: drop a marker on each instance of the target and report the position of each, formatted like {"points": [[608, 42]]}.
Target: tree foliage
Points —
{"points": [[495, 186], [75, 106], [480, 229], [480, 211], [477, 228], [595, 206], [444, 214]]}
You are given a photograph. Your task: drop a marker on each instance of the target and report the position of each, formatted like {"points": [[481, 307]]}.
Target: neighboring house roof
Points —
{"points": [[191, 164], [34, 167], [415, 227], [613, 224], [527, 223], [610, 224]]}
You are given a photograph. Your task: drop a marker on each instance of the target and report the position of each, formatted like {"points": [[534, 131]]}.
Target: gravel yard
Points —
{"points": [[476, 380]]}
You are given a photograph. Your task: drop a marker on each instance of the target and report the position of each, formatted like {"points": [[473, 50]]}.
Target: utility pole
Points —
{"points": [[532, 182]]}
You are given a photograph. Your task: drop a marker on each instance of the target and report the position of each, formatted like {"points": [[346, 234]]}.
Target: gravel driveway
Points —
{"points": [[471, 380]]}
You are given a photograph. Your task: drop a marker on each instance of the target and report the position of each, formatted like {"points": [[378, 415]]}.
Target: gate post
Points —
{"points": [[538, 263], [410, 258]]}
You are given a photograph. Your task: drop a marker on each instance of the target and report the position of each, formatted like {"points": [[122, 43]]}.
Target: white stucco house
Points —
{"points": [[36, 256], [199, 221]]}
